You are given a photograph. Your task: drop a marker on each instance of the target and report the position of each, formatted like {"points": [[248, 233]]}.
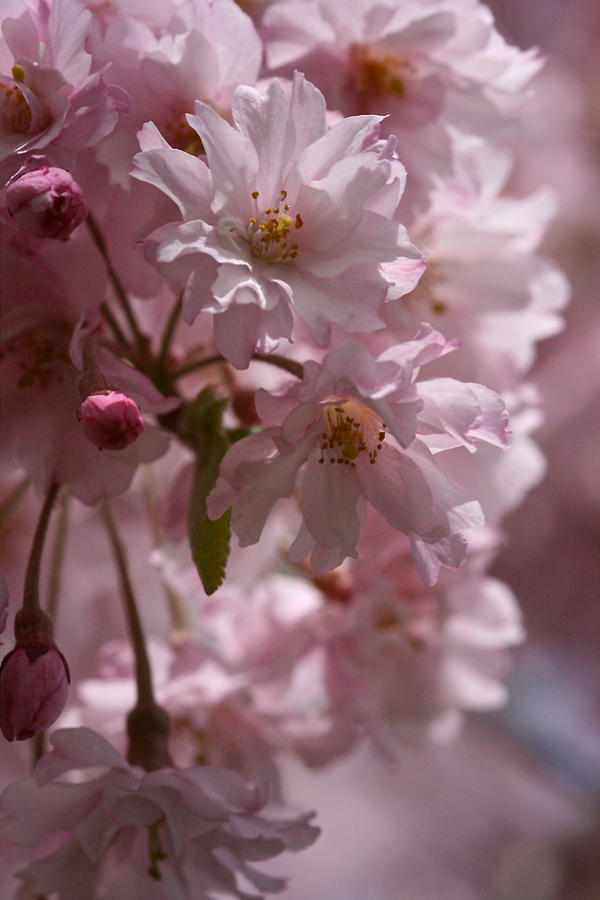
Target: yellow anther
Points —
{"points": [[269, 232], [379, 73], [351, 429], [18, 72]]}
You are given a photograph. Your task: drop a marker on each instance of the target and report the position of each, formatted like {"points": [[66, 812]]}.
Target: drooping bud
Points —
{"points": [[47, 202], [110, 419], [34, 679]]}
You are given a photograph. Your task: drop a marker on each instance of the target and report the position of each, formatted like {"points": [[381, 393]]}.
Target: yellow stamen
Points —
{"points": [[350, 429], [268, 238], [378, 72]]}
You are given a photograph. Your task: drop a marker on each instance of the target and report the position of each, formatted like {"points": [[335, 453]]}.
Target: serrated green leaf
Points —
{"points": [[209, 540]]}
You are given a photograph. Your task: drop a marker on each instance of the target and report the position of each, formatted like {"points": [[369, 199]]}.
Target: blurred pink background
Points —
{"points": [[512, 810]]}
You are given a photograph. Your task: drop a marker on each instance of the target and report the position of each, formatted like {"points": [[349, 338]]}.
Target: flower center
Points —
{"points": [[379, 73], [271, 232], [350, 429], [39, 355], [14, 109], [182, 136]]}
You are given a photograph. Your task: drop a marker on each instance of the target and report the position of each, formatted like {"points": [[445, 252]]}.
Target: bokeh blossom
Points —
{"points": [[174, 830]]}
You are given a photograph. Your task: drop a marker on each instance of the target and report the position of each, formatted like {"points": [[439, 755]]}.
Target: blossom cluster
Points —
{"points": [[264, 289]]}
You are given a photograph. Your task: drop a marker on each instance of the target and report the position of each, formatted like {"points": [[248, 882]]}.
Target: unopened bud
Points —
{"points": [[110, 420], [34, 683], [47, 202]]}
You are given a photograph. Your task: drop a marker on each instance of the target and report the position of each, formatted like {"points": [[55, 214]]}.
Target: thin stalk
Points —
{"points": [[39, 743], [114, 325], [143, 672], [194, 367], [58, 557], [31, 600], [288, 365], [118, 288], [169, 331], [282, 362]]}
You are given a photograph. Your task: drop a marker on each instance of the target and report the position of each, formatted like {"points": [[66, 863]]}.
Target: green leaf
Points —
{"points": [[209, 540]]}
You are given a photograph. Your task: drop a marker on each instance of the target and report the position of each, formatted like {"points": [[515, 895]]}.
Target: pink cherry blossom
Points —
{"points": [[47, 202], [170, 833], [50, 308], [202, 52], [405, 660], [484, 280], [52, 98], [434, 67], [350, 429], [242, 693], [289, 215]]}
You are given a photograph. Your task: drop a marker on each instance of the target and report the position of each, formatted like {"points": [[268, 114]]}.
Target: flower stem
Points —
{"points": [[56, 567], [58, 556], [118, 288], [143, 673], [116, 328], [170, 327], [282, 362], [31, 599], [147, 723]]}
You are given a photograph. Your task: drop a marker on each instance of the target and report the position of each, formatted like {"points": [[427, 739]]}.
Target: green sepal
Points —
{"points": [[209, 540]]}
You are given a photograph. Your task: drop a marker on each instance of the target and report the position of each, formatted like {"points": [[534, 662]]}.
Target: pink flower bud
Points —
{"points": [[47, 202], [111, 420], [34, 683]]}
